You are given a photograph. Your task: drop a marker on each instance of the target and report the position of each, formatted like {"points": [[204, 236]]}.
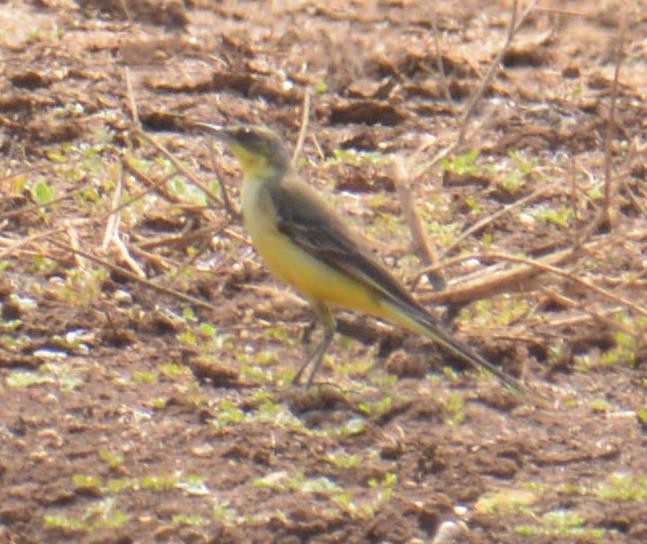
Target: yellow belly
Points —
{"points": [[314, 279]]}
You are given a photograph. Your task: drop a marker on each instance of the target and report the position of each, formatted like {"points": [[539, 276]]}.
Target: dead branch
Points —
{"points": [[125, 255], [420, 244], [504, 281]]}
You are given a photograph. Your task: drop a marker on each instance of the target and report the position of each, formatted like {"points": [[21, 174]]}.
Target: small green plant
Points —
{"points": [[144, 377], [188, 519], [376, 408], [158, 483], [281, 481], [60, 375], [352, 427], [42, 192], [193, 484], [175, 370], [560, 523], [188, 191], [360, 158], [525, 165], [117, 485], [354, 366], [83, 286], [600, 405], [462, 164], [642, 415], [561, 216], [624, 352], [513, 181], [101, 514], [67, 523], [280, 333], [623, 487], [86, 481], [506, 500], [112, 459], [385, 487], [455, 409], [25, 378], [474, 204], [341, 459], [225, 513]]}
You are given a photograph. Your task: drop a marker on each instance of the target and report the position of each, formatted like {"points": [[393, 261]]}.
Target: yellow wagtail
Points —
{"points": [[305, 243]]}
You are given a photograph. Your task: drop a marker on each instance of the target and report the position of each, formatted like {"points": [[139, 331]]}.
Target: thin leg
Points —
{"points": [[327, 320]]}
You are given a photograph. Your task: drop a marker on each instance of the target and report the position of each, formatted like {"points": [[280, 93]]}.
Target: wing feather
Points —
{"points": [[316, 228]]}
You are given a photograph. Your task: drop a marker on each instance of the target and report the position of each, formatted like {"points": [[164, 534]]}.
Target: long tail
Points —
{"points": [[418, 320]]}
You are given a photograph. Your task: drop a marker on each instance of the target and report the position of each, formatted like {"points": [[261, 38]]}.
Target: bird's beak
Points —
{"points": [[219, 131]]}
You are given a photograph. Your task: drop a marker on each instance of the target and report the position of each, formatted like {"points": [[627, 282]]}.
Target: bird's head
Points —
{"points": [[259, 150]]}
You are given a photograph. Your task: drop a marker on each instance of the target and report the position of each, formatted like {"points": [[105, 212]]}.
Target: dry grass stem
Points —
{"points": [[439, 57], [608, 208], [227, 202], [492, 70], [112, 225], [421, 246], [596, 315], [493, 217], [125, 255], [34, 207], [132, 103], [134, 277], [305, 115], [179, 166]]}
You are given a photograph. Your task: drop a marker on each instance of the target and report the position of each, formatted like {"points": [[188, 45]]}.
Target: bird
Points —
{"points": [[304, 242]]}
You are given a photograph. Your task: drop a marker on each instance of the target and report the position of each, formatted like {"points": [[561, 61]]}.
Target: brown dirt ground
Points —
{"points": [[131, 415]]}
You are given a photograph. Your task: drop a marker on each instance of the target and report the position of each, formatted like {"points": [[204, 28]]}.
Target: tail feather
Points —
{"points": [[419, 320]]}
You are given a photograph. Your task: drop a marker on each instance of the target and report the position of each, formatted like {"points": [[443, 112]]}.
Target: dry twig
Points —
{"points": [[132, 103], [439, 57], [489, 76], [229, 206], [503, 281], [600, 317], [179, 166], [420, 244], [305, 115], [125, 255], [33, 207], [134, 277], [492, 217], [608, 213], [112, 225]]}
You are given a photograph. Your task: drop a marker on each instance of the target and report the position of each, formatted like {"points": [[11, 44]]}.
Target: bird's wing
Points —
{"points": [[315, 227]]}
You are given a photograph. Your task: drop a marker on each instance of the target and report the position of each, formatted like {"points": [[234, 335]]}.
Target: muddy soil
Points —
{"points": [[146, 353]]}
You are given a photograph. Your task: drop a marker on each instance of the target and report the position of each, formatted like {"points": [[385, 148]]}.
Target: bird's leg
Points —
{"points": [[329, 331], [327, 320]]}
